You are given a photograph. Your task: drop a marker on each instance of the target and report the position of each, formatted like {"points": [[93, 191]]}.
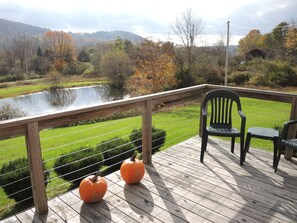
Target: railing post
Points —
{"points": [[292, 129], [36, 168], [147, 132]]}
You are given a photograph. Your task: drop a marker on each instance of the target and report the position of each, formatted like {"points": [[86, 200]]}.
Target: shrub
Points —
{"points": [[90, 72], [211, 75], [10, 78], [115, 150], [54, 80], [158, 139], [15, 179], [281, 73], [260, 79], [239, 77], [9, 111], [184, 79], [77, 164], [74, 68], [270, 73]]}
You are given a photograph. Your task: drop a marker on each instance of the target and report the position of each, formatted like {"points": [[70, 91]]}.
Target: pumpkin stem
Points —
{"points": [[133, 157], [94, 179]]}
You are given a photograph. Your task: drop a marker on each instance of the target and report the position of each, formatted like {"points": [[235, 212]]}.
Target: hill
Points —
{"points": [[10, 30]]}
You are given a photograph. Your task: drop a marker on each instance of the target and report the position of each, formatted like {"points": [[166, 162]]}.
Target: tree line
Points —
{"points": [[148, 66], [280, 43]]}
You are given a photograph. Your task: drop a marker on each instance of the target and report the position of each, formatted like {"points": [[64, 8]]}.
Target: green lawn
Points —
{"points": [[31, 87], [20, 90], [180, 123]]}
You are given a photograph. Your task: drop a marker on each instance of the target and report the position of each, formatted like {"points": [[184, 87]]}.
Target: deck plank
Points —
{"points": [[178, 188]]}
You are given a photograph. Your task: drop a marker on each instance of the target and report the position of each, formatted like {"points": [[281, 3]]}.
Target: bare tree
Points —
{"points": [[24, 48], [188, 27]]}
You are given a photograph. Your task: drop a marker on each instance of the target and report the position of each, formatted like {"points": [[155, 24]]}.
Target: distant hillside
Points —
{"points": [[91, 38], [10, 30]]}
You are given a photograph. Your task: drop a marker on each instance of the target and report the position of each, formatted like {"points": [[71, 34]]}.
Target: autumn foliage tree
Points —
{"points": [[155, 69], [61, 46], [291, 42], [250, 41]]}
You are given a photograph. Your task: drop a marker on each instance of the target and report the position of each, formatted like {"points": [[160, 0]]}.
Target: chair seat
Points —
{"points": [[222, 131], [292, 143]]}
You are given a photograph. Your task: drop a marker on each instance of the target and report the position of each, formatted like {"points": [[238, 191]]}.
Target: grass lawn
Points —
{"points": [[32, 86], [180, 123]]}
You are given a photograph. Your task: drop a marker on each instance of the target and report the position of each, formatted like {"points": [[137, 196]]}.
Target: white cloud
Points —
{"points": [[148, 18]]}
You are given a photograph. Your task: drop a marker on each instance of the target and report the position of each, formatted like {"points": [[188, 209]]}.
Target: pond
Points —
{"points": [[63, 99]]}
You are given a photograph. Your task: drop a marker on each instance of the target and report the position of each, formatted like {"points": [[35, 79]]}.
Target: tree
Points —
{"points": [[83, 56], [61, 45], [155, 69], [291, 42], [117, 66], [188, 27], [40, 62], [220, 52], [266, 43], [279, 34], [23, 49], [249, 42]]}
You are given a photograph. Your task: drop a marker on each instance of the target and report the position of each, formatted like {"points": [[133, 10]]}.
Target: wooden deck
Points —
{"points": [[178, 188]]}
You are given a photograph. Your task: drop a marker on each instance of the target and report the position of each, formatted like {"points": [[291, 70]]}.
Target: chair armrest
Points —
{"points": [[286, 128], [204, 118], [203, 110], [243, 121], [241, 115]]}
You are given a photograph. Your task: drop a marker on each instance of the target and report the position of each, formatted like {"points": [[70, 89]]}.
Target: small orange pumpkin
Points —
{"points": [[92, 189], [132, 170]]}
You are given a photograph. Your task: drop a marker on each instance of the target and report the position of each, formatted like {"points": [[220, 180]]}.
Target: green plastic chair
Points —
{"points": [[221, 102], [285, 142]]}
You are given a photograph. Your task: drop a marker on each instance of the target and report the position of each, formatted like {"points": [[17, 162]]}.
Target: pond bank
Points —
{"points": [[46, 102], [17, 88]]}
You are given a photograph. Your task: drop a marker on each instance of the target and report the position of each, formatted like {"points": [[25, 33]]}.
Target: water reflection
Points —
{"points": [[65, 99], [61, 97], [111, 94]]}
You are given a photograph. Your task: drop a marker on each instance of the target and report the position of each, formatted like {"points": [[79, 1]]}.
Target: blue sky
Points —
{"points": [[151, 18]]}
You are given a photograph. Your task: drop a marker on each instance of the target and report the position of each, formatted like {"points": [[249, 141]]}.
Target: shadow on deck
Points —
{"points": [[178, 188]]}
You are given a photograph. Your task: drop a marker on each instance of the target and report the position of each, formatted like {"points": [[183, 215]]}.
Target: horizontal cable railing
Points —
{"points": [[105, 144]]}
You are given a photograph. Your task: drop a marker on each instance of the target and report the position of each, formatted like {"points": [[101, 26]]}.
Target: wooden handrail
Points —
{"points": [[30, 126]]}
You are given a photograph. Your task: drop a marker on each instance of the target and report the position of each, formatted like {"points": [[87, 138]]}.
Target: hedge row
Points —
{"points": [[75, 165], [15, 179]]}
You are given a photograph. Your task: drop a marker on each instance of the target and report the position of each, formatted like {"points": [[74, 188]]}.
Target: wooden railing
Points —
{"points": [[31, 126]]}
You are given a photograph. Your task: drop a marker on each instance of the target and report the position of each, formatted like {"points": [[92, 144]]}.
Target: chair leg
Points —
{"points": [[248, 141], [281, 148], [247, 144], [232, 144], [275, 146], [242, 150], [203, 147]]}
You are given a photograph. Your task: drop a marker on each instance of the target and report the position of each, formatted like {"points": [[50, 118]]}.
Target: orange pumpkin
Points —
{"points": [[92, 189], [132, 170]]}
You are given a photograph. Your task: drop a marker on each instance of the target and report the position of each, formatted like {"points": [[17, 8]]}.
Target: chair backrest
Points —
{"points": [[221, 107]]}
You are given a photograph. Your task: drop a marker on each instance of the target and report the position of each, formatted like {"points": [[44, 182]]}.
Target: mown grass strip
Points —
{"points": [[13, 91]]}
